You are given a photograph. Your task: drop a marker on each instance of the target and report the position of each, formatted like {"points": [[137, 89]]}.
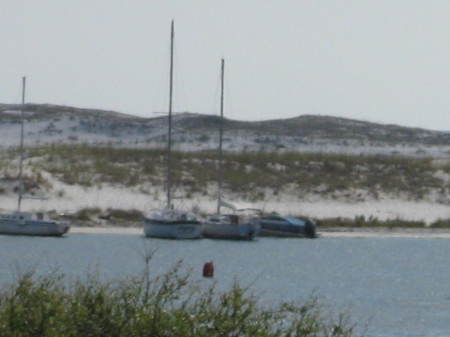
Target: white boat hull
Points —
{"points": [[172, 229], [229, 231], [32, 227]]}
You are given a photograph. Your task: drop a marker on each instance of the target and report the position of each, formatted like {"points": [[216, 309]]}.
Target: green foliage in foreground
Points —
{"points": [[168, 305]]}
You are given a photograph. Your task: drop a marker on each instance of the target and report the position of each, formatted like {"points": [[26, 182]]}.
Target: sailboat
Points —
{"points": [[171, 223], [228, 226], [26, 223]]}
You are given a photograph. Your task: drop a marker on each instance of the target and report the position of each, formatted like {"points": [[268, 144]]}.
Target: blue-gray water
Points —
{"points": [[398, 287]]}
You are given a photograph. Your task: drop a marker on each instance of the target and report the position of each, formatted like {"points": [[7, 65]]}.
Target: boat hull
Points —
{"points": [[280, 233], [32, 228], [172, 229], [283, 230], [230, 231]]}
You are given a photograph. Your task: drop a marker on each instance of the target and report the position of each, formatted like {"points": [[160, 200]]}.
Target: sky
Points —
{"points": [[385, 61]]}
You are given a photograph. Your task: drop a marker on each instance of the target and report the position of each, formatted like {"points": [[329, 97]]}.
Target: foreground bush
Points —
{"points": [[168, 305]]}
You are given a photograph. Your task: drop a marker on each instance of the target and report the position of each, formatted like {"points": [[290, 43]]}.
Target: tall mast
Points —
{"points": [[22, 107], [219, 189], [169, 137]]}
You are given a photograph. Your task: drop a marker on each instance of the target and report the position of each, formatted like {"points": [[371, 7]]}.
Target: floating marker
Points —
{"points": [[208, 269]]}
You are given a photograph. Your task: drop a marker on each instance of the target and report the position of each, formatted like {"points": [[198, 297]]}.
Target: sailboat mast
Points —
{"points": [[22, 107], [169, 136], [219, 193]]}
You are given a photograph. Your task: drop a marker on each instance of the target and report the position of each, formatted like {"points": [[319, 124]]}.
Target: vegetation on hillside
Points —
{"points": [[94, 215], [252, 176], [248, 176], [373, 222]]}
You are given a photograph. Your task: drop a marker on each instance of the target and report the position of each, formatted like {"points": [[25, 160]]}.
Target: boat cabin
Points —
{"points": [[21, 216], [224, 219]]}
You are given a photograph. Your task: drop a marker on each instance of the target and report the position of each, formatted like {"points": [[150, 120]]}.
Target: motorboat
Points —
{"points": [[276, 225]]}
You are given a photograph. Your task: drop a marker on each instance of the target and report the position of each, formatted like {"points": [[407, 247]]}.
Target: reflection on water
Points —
{"points": [[400, 286]]}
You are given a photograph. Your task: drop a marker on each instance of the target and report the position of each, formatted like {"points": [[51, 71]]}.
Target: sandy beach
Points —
{"points": [[415, 233]]}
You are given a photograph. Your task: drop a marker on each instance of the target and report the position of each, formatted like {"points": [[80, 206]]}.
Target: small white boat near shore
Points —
{"points": [[172, 224], [34, 224], [27, 223]]}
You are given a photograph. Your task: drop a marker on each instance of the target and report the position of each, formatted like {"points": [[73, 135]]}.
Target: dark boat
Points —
{"points": [[285, 226]]}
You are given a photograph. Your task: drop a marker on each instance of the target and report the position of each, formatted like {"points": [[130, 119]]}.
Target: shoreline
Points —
{"points": [[385, 232], [330, 232], [106, 230]]}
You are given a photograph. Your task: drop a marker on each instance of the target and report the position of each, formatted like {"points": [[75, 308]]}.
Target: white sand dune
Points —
{"points": [[75, 198], [71, 198]]}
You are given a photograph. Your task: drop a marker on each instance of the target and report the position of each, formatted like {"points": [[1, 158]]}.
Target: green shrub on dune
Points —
{"points": [[319, 173]]}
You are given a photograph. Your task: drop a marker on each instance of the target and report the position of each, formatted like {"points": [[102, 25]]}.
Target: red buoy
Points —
{"points": [[208, 269]]}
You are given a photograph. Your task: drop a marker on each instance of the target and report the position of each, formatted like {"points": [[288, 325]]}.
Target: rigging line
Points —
{"points": [[230, 109], [214, 110], [180, 84], [16, 95], [12, 96], [220, 171], [22, 107], [229, 102], [169, 142], [160, 100]]}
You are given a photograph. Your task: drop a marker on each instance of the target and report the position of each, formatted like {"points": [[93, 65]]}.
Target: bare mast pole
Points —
{"points": [[22, 107], [169, 137], [219, 193]]}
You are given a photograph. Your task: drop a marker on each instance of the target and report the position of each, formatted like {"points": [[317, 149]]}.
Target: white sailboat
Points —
{"points": [[228, 226], [26, 223], [171, 223]]}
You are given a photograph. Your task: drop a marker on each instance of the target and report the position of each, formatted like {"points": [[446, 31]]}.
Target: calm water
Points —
{"points": [[399, 287]]}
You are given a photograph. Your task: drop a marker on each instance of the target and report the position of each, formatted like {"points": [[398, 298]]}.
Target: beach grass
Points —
{"points": [[254, 177], [93, 216], [369, 222], [373, 222], [248, 174]]}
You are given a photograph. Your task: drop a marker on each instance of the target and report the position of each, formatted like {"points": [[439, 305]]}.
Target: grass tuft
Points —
{"points": [[247, 173]]}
